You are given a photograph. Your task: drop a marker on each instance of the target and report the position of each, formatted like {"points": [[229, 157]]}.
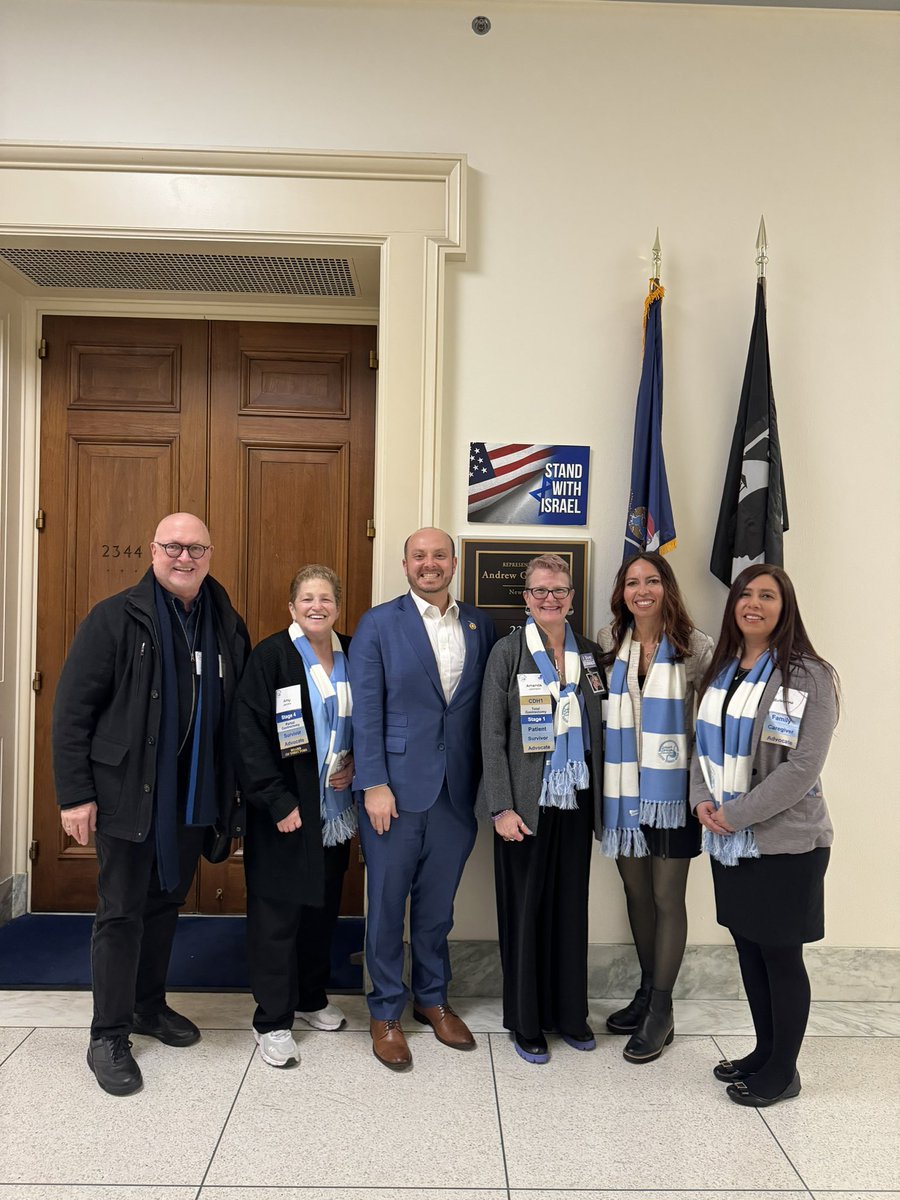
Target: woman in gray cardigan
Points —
{"points": [[541, 740], [767, 713]]}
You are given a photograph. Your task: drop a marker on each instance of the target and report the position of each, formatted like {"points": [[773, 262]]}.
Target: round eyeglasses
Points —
{"points": [[541, 593], [176, 549]]}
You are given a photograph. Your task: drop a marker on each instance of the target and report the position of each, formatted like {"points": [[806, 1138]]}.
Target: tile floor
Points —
{"points": [[215, 1123]]}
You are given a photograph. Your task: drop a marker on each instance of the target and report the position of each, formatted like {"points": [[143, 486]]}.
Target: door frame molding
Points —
{"points": [[413, 207]]}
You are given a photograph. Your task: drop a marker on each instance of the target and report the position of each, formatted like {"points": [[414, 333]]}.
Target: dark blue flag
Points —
{"points": [[650, 524], [753, 513]]}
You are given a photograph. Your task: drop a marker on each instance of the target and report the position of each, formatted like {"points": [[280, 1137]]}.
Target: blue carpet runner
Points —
{"points": [[52, 952]]}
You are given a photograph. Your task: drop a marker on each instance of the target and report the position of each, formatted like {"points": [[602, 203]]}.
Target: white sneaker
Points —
{"points": [[329, 1018], [277, 1048]]}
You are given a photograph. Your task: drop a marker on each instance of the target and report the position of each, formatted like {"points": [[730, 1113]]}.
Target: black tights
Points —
{"points": [[777, 987], [654, 893]]}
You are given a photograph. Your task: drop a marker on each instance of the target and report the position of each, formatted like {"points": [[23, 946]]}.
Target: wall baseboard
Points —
{"points": [[708, 973], [13, 892]]}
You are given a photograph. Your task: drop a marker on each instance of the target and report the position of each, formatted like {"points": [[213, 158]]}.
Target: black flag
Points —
{"points": [[753, 513]]}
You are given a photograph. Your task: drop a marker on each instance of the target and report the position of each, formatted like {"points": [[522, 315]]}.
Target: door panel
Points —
{"points": [[123, 441], [266, 430], [291, 481]]}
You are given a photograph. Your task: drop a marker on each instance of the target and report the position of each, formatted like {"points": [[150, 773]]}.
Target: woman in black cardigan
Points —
{"points": [[293, 728]]}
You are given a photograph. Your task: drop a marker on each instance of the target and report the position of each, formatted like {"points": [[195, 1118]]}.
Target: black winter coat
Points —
{"points": [[278, 866], [108, 704]]}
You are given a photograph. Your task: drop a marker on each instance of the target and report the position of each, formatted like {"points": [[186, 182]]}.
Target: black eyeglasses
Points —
{"points": [[176, 549], [540, 593]]}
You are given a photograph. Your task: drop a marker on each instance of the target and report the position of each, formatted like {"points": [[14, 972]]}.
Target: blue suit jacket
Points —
{"points": [[404, 732]]}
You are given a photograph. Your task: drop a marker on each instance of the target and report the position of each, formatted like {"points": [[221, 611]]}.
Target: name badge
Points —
{"points": [[592, 675], [536, 715], [782, 727], [292, 736]]}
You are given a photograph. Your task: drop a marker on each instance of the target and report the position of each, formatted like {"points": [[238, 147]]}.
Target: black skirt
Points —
{"points": [[683, 842], [776, 900]]}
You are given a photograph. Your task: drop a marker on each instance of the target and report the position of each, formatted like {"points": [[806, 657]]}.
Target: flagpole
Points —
{"points": [[656, 254], [762, 258]]}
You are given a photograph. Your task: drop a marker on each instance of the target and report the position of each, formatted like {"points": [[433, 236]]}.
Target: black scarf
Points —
{"points": [[201, 807]]}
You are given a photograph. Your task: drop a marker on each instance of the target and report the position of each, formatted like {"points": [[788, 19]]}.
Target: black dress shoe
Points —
{"points": [[741, 1094], [727, 1072], [167, 1026], [532, 1049], [656, 1030], [627, 1019], [111, 1060]]}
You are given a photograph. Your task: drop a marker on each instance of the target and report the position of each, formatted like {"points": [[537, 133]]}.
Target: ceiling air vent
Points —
{"points": [[263, 275]]}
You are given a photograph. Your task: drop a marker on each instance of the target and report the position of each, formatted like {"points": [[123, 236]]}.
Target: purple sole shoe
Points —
{"points": [[580, 1043], [530, 1051]]}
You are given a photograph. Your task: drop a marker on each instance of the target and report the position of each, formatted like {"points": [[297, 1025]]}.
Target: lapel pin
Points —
{"points": [[471, 624]]}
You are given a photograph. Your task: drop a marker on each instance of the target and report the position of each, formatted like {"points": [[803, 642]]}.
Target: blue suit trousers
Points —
{"points": [[421, 857]]}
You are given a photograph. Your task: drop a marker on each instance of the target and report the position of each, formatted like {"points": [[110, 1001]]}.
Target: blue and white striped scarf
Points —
{"points": [[565, 770], [653, 791], [338, 813], [727, 763]]}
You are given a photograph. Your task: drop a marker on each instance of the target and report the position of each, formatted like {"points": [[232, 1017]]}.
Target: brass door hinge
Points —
{"points": [[370, 527], [37, 681], [42, 348], [373, 361], [40, 520], [33, 850]]}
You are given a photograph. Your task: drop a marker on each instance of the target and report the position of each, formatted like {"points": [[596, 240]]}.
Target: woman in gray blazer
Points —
{"points": [[541, 740], [767, 713]]}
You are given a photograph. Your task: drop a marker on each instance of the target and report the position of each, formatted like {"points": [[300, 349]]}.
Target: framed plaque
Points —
{"points": [[492, 576]]}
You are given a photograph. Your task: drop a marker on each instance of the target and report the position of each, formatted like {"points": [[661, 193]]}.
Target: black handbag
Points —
{"points": [[218, 838]]}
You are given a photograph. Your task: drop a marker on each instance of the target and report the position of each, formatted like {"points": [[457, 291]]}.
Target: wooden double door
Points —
{"points": [[265, 430]]}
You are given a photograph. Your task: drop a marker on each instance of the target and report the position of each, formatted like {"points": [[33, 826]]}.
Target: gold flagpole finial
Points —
{"points": [[657, 259], [762, 245]]}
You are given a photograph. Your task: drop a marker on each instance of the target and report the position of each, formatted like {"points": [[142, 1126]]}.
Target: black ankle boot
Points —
{"points": [[656, 1029], [627, 1019]]}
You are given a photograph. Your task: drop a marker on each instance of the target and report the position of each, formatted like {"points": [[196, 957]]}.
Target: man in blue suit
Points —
{"points": [[416, 666]]}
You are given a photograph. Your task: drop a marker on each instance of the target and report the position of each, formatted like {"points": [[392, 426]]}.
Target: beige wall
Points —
{"points": [[586, 126]]}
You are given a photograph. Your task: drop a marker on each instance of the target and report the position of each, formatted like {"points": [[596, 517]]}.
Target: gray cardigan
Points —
{"points": [[512, 778], [786, 804]]}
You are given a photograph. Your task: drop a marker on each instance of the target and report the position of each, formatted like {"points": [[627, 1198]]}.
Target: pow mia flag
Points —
{"points": [[753, 514]]}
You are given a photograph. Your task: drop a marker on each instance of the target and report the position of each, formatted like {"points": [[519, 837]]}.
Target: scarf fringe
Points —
{"points": [[627, 843], [662, 815], [339, 829], [559, 788], [729, 848]]}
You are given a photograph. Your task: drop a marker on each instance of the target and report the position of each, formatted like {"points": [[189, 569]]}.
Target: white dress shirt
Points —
{"points": [[447, 641]]}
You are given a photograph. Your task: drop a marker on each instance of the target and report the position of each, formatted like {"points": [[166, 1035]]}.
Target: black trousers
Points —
{"points": [[289, 948], [134, 927], [542, 919]]}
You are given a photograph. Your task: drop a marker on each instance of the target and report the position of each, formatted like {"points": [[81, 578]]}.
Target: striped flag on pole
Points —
{"points": [[650, 524], [753, 513]]}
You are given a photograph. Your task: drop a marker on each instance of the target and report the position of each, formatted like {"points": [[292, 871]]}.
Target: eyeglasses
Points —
{"points": [[176, 549], [541, 593]]}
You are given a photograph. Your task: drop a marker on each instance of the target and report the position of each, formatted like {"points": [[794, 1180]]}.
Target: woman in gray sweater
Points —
{"points": [[767, 713], [541, 739]]}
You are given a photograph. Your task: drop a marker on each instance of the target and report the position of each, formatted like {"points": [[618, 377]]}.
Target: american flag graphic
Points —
{"points": [[500, 472]]}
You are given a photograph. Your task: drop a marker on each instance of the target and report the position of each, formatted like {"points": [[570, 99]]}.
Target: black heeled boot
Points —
{"points": [[655, 1031], [627, 1019]]}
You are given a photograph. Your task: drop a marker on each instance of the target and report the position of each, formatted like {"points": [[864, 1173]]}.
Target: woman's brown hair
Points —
{"points": [[789, 644], [676, 624]]}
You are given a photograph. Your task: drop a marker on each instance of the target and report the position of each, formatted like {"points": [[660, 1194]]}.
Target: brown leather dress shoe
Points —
{"points": [[389, 1044], [448, 1027]]}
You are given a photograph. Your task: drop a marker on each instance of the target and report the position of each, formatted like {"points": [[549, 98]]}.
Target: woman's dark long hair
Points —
{"points": [[676, 624], [790, 644]]}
